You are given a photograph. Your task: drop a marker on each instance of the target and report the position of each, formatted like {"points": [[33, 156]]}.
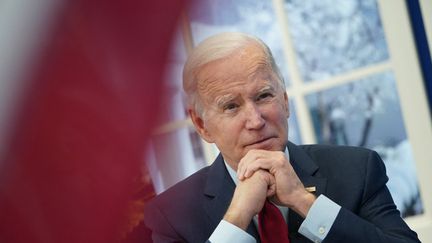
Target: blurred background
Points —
{"points": [[80, 85], [93, 121]]}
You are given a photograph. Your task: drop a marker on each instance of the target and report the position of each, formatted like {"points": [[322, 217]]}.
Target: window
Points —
{"points": [[352, 78]]}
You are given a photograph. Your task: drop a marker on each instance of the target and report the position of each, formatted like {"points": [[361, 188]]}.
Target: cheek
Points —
{"points": [[279, 115], [230, 131]]}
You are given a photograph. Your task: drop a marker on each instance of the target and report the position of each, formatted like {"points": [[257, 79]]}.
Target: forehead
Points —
{"points": [[245, 68]]}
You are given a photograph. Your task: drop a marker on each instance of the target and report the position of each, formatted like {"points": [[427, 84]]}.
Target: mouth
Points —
{"points": [[262, 143]]}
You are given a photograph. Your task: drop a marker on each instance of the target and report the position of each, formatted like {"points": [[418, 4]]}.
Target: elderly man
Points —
{"points": [[262, 187]]}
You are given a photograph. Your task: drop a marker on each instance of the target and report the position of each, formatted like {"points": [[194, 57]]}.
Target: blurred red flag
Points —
{"points": [[77, 144]]}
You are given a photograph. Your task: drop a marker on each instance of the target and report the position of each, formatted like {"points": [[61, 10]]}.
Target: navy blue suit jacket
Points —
{"points": [[354, 178]]}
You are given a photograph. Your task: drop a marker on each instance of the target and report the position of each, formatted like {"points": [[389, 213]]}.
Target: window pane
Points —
{"points": [[367, 113], [173, 106], [173, 156], [258, 18], [335, 37], [293, 128]]}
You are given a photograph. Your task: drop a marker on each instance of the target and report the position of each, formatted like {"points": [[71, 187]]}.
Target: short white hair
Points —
{"points": [[215, 48]]}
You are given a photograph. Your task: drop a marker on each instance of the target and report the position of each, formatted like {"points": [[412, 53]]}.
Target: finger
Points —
{"points": [[260, 163], [247, 159], [241, 167], [272, 186], [273, 161], [240, 171], [248, 164], [271, 190]]}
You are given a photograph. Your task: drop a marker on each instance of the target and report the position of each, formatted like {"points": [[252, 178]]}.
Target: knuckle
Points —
{"points": [[280, 162], [280, 158], [281, 155], [251, 152]]}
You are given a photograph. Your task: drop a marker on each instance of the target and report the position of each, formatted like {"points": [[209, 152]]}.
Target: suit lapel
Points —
{"points": [[219, 190], [307, 171]]}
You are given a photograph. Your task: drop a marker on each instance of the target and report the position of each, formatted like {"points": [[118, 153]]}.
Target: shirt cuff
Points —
{"points": [[319, 219], [227, 232]]}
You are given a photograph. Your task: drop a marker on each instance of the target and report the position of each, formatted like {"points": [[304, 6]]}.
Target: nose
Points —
{"points": [[254, 117]]}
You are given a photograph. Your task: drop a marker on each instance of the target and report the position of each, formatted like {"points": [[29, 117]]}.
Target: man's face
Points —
{"points": [[244, 105]]}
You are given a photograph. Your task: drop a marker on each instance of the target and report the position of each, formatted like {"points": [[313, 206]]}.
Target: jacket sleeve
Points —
{"points": [[377, 220]]}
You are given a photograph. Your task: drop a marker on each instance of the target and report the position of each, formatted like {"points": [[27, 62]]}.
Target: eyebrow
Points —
{"points": [[222, 100], [266, 88]]}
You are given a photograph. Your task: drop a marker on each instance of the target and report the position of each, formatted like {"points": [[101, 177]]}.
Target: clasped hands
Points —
{"points": [[266, 174]]}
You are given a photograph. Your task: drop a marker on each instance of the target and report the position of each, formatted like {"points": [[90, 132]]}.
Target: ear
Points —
{"points": [[287, 104], [200, 126]]}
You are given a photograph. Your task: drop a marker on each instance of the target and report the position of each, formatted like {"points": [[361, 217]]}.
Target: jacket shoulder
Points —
{"points": [[347, 163], [349, 169], [167, 213], [333, 156]]}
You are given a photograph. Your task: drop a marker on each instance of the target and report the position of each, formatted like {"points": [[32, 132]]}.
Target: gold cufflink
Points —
{"points": [[310, 189]]}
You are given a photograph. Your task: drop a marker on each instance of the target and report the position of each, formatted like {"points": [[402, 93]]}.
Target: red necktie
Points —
{"points": [[271, 225]]}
